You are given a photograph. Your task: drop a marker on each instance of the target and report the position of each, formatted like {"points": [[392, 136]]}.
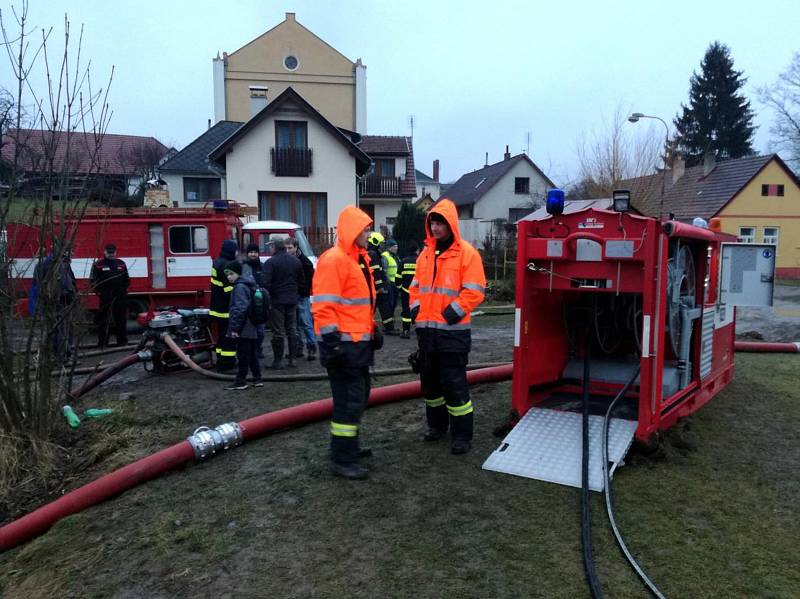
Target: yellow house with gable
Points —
{"points": [[767, 210], [756, 198]]}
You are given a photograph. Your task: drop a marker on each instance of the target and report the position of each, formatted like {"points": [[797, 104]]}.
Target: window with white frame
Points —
{"points": [[771, 235], [747, 234]]}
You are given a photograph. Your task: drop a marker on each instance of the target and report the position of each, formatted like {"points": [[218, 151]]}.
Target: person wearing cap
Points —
{"points": [[241, 329], [219, 306], [110, 280], [378, 269], [448, 285], [391, 262]]}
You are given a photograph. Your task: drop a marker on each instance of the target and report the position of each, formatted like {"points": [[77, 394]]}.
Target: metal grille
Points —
{"points": [[707, 347]]}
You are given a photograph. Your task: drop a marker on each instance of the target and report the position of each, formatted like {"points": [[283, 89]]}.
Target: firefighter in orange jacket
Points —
{"points": [[449, 284], [343, 303]]}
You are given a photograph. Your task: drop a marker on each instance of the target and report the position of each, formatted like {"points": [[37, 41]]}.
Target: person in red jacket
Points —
{"points": [[343, 302], [448, 285]]}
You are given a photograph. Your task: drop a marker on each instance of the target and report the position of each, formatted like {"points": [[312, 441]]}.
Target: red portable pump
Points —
{"points": [[633, 291]]}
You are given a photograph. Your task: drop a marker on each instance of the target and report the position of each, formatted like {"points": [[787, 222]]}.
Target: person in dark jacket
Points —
{"points": [[305, 324], [241, 328], [220, 303], [377, 266], [110, 280], [408, 268], [283, 278], [56, 292], [254, 268]]}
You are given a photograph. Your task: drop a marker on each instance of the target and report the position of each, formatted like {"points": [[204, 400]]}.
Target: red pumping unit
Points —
{"points": [[632, 291], [204, 443]]}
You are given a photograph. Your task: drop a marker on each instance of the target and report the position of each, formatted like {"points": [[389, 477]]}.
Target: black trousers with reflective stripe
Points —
{"points": [[445, 375], [384, 304], [224, 344], [350, 388], [405, 310]]}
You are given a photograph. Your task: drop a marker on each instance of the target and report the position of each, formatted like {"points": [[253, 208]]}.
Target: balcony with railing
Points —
{"points": [[374, 185], [291, 162]]}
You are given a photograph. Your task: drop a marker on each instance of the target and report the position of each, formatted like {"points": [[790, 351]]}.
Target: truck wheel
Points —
{"points": [[134, 307]]}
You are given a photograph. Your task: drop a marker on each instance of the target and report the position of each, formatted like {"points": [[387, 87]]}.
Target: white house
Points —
{"points": [[392, 179], [292, 163], [504, 191]]}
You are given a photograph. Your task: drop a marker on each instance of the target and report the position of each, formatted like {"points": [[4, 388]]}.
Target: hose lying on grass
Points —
{"points": [[200, 446], [317, 376]]}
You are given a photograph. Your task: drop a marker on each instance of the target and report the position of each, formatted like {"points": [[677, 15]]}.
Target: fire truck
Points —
{"points": [[168, 251]]}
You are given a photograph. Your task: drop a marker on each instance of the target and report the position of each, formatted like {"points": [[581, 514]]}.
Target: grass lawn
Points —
{"points": [[712, 515]]}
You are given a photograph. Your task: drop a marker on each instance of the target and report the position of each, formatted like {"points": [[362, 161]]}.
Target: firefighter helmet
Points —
{"points": [[375, 238]]}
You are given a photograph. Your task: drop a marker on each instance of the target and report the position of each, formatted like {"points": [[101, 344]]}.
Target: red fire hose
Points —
{"points": [[129, 476], [763, 346], [106, 374]]}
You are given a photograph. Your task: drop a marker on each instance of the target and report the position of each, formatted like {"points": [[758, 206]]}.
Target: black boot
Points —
{"points": [[292, 351], [277, 352], [312, 352], [352, 471]]}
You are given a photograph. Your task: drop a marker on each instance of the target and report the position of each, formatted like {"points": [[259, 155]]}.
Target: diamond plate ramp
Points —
{"points": [[546, 445]]}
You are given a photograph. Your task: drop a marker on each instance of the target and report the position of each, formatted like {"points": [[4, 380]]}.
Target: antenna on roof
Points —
{"points": [[411, 124], [528, 143]]}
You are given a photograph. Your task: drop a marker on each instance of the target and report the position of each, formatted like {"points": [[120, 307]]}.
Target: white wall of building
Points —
{"points": [[248, 168], [498, 200], [174, 183], [426, 187], [218, 67]]}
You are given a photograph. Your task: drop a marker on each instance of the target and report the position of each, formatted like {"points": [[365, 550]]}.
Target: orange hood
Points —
{"points": [[351, 222], [448, 210]]}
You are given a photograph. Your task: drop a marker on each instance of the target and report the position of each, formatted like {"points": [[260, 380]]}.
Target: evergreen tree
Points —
{"points": [[410, 225], [718, 118]]}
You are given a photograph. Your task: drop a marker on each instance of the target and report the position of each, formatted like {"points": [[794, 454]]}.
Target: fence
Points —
{"points": [[320, 238]]}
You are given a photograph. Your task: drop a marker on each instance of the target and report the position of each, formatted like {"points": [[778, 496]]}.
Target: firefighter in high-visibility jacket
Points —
{"points": [[219, 307], [343, 304], [391, 263], [377, 266], [407, 272], [449, 284]]}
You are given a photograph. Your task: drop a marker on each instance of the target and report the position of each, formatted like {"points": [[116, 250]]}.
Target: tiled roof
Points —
{"points": [[78, 152], [409, 185], [423, 178], [694, 194], [194, 157], [471, 187], [385, 144]]}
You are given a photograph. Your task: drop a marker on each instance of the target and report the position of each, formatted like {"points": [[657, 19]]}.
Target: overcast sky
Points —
{"points": [[475, 75]]}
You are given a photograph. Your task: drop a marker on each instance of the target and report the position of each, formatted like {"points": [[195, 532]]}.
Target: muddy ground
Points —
{"points": [[712, 514]]}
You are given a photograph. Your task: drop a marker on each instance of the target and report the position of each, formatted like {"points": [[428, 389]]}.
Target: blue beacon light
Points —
{"points": [[555, 202]]}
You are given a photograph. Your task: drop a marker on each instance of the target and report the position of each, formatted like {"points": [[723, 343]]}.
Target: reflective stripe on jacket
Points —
{"points": [[453, 279], [221, 290], [343, 299]]}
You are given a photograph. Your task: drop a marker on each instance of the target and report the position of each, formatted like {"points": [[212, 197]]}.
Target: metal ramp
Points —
{"points": [[546, 445]]}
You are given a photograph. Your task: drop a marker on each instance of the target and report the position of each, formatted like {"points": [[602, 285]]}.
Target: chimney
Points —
{"points": [[709, 162], [486, 162], [678, 168], [507, 155], [209, 123], [436, 170], [290, 16]]}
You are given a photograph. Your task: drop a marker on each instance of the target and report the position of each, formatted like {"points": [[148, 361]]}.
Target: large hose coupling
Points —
{"points": [[207, 442], [145, 355]]}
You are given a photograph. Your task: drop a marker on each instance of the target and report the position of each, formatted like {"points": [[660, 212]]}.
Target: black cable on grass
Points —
{"points": [[609, 497], [586, 515]]}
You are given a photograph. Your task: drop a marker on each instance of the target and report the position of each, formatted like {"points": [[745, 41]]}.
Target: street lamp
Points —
{"points": [[634, 118]]}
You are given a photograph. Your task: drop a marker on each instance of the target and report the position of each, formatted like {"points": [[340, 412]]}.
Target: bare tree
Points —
{"points": [[615, 152], [48, 131], [784, 98]]}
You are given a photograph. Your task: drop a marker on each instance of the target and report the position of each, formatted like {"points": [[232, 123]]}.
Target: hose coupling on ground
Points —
{"points": [[207, 442], [145, 355]]}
